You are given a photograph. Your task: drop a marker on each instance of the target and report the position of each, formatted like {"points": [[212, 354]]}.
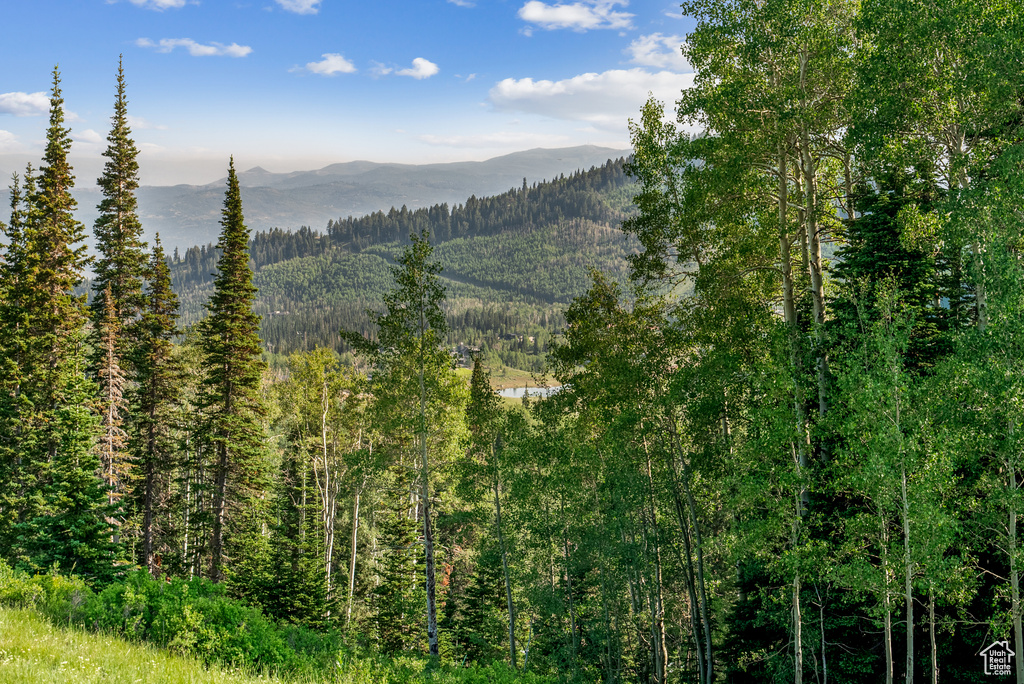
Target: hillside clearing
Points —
{"points": [[32, 651]]}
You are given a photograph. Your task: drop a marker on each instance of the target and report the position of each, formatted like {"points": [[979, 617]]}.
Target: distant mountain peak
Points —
{"points": [[187, 215]]}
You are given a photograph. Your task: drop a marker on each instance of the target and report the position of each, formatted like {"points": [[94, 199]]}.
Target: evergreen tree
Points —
{"points": [[231, 398], [62, 512], [155, 399], [70, 527], [896, 239], [12, 485], [122, 252], [321, 409], [483, 417], [296, 578], [398, 599]]}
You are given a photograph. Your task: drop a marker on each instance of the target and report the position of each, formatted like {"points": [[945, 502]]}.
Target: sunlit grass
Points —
{"points": [[504, 377], [32, 651]]}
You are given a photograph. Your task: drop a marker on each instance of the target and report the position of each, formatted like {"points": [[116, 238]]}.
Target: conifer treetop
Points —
{"points": [[234, 291], [118, 231], [57, 236], [56, 178]]}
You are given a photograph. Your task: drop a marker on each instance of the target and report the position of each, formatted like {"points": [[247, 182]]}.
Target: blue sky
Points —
{"points": [[299, 84]]}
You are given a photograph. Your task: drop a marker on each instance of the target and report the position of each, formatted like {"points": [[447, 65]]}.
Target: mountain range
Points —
{"points": [[511, 263], [187, 215]]}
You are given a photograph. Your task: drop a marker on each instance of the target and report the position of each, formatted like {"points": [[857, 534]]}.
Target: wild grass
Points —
{"points": [[505, 377], [34, 651], [55, 628]]}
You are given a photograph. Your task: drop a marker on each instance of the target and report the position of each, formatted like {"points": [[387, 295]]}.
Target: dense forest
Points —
{"points": [[786, 444], [511, 265]]}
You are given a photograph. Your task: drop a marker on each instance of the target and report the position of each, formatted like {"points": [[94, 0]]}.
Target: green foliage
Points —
{"points": [[231, 399], [398, 602], [525, 257], [194, 618], [790, 445], [57, 507], [154, 401], [121, 265], [896, 239], [197, 619]]}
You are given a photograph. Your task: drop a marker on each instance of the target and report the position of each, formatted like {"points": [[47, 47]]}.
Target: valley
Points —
{"points": [[511, 264]]}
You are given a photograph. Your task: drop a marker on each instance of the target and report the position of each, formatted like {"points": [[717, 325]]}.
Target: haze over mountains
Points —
{"points": [[187, 215]]}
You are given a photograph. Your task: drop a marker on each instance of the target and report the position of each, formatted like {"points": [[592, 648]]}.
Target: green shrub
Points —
{"points": [[60, 598], [17, 589], [196, 618]]}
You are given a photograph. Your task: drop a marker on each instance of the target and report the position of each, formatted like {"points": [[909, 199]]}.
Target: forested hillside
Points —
{"points": [[763, 464], [511, 264]]}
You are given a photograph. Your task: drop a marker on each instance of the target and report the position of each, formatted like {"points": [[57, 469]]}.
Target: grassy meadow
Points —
{"points": [[34, 651]]}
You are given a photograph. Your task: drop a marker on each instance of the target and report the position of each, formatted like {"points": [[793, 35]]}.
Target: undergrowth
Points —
{"points": [[196, 620]]}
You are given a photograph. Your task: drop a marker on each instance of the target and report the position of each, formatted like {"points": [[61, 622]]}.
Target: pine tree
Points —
{"points": [[398, 599], [156, 396], [483, 417], [122, 252], [231, 393], [297, 579], [62, 508], [896, 240], [71, 528], [56, 253], [12, 489]]}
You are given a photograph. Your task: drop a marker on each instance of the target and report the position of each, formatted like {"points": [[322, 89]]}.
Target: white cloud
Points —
{"points": [[607, 99], [300, 6], [379, 69], [420, 69], [463, 3], [25, 104], [660, 51], [140, 124], [501, 139], [87, 136], [159, 5], [332, 63], [9, 142], [578, 16], [196, 49]]}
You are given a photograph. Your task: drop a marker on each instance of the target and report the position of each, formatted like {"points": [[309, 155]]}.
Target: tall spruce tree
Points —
{"points": [[155, 399], [397, 599], [11, 322], [122, 252], [62, 508], [234, 370], [118, 299], [484, 420]]}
